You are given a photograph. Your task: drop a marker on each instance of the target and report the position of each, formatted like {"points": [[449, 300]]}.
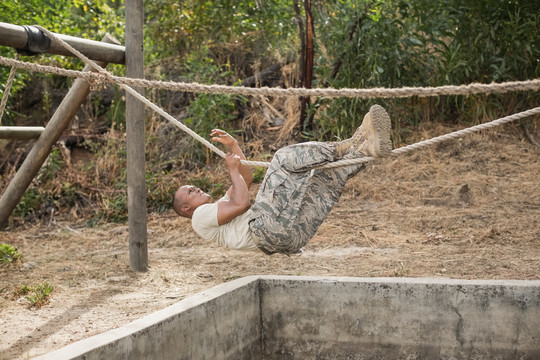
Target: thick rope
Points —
{"points": [[105, 75], [438, 139], [474, 88], [7, 89]]}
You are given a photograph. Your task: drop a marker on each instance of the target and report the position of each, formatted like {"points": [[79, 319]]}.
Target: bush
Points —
{"points": [[36, 295], [9, 254], [424, 43]]}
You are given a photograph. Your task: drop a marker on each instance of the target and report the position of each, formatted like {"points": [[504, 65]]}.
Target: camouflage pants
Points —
{"points": [[294, 199]]}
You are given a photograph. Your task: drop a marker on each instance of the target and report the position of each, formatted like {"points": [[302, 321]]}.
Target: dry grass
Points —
{"points": [[467, 209]]}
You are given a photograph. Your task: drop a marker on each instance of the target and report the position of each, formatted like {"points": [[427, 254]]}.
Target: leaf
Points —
{"points": [[415, 41]]}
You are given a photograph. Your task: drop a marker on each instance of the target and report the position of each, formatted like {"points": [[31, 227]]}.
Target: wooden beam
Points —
{"points": [[20, 132], [43, 146], [16, 37], [136, 173]]}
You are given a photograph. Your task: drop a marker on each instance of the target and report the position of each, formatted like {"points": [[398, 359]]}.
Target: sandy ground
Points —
{"points": [[467, 209]]}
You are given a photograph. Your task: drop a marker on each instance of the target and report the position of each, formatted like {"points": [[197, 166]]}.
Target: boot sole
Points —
{"points": [[382, 126]]}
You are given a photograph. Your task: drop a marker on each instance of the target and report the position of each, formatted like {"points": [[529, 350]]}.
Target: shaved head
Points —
{"points": [[187, 199]]}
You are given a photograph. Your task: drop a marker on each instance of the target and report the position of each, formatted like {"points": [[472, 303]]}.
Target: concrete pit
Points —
{"points": [[285, 317]]}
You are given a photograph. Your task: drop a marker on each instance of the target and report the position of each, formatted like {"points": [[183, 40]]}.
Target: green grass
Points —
{"points": [[36, 295], [9, 254]]}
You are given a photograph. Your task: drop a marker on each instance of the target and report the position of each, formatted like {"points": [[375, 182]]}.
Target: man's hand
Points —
{"points": [[233, 147], [223, 137], [233, 162], [238, 202], [241, 179]]}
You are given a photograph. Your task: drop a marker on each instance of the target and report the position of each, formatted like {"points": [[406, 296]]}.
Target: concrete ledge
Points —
{"points": [[221, 323], [282, 317]]}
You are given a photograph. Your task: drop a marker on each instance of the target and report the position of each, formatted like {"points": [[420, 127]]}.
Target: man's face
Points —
{"points": [[192, 196]]}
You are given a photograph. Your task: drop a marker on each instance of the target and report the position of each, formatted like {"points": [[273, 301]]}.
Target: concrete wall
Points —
{"points": [[221, 323], [351, 318], [281, 317]]}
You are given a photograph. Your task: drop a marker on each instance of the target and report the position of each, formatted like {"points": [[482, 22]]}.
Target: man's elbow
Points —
{"points": [[240, 207], [245, 206]]}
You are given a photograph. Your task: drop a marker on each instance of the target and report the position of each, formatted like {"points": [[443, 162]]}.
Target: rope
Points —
{"points": [[438, 139], [470, 89], [7, 89], [104, 75]]}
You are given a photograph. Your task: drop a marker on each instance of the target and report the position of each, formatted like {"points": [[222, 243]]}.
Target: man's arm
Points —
{"points": [[238, 192], [233, 147]]}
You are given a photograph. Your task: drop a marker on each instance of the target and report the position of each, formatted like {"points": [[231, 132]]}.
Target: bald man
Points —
{"points": [[295, 196]]}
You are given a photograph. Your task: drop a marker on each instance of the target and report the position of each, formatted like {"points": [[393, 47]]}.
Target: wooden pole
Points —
{"points": [[20, 132], [43, 146], [136, 173], [16, 37]]}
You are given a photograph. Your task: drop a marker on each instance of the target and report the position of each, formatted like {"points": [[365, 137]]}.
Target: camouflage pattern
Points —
{"points": [[294, 199]]}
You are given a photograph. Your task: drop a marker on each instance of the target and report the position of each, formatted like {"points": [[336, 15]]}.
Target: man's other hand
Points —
{"points": [[232, 161]]}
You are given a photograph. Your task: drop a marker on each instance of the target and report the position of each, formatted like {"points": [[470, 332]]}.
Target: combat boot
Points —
{"points": [[372, 138], [344, 147]]}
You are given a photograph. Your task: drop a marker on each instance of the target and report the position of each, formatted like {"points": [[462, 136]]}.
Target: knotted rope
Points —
{"points": [[7, 89], [124, 83], [438, 139], [470, 89]]}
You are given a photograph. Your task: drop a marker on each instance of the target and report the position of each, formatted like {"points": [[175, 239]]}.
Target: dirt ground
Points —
{"points": [[466, 209]]}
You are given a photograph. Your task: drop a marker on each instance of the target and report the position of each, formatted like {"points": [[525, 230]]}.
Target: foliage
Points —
{"points": [[30, 202], [208, 111], [424, 43], [36, 295], [505, 45], [90, 19], [258, 174], [9, 254], [254, 26], [82, 18]]}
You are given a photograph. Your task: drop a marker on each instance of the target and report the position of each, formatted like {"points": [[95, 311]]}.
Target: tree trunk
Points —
{"points": [[310, 32], [306, 59]]}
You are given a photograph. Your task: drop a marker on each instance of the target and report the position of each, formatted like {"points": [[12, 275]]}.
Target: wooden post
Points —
{"points": [[16, 37], [20, 132], [43, 146], [136, 173]]}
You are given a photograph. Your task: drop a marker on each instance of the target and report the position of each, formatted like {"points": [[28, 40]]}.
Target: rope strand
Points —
{"points": [[438, 139], [470, 89]]}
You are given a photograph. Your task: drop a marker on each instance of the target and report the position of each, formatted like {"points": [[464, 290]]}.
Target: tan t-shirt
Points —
{"points": [[235, 234]]}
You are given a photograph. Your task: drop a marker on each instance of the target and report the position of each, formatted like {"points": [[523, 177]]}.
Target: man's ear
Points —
{"points": [[185, 208]]}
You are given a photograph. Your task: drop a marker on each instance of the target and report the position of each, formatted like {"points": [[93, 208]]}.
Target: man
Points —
{"points": [[294, 198]]}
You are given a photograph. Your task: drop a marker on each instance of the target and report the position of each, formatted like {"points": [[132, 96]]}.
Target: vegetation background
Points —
{"points": [[355, 44]]}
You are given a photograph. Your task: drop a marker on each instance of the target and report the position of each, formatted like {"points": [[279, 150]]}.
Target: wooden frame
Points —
{"points": [[109, 50]]}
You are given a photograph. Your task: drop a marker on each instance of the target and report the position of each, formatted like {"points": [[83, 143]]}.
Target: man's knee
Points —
{"points": [[285, 158], [283, 154]]}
